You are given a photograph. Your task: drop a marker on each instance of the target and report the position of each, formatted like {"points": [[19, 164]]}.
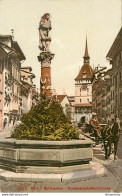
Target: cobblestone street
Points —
{"points": [[115, 167]]}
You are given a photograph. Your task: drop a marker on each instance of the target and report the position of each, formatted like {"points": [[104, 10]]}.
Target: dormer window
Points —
{"points": [[84, 74]]}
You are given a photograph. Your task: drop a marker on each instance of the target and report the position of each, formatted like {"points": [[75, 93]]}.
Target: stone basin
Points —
{"points": [[30, 156]]}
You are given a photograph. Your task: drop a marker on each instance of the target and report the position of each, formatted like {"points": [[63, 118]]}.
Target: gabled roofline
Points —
{"points": [[116, 46], [17, 48]]}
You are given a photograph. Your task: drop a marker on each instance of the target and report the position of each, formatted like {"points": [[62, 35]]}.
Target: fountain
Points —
{"points": [[29, 155]]}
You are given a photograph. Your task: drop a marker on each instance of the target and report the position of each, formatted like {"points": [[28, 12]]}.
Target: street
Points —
{"points": [[115, 167]]}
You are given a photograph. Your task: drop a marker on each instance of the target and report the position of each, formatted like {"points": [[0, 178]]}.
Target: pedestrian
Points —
{"points": [[95, 125], [116, 126]]}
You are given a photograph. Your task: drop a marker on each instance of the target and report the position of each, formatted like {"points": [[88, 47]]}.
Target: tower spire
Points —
{"points": [[86, 55], [86, 49]]}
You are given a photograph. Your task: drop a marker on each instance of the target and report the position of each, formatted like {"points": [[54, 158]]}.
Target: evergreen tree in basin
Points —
{"points": [[45, 121]]}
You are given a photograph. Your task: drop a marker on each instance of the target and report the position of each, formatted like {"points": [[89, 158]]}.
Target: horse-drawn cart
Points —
{"points": [[108, 138]]}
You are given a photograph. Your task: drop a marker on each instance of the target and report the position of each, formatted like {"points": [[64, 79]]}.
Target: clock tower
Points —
{"points": [[83, 90]]}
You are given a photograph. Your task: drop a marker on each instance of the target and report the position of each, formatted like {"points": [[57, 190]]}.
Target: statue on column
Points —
{"points": [[45, 55], [44, 37]]}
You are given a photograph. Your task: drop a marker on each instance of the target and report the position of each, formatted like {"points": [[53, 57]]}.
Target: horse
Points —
{"points": [[105, 133], [109, 136]]}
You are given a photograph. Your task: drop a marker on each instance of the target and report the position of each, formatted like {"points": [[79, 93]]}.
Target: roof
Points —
{"points": [[86, 50], [87, 70], [4, 46], [83, 105], [3, 54], [59, 98], [28, 67], [116, 47], [108, 72], [5, 36], [24, 71], [16, 46]]}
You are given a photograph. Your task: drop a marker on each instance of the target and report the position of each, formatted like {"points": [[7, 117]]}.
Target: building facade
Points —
{"points": [[11, 81], [106, 100], [115, 58], [101, 95], [16, 86], [83, 90], [29, 93], [97, 97]]}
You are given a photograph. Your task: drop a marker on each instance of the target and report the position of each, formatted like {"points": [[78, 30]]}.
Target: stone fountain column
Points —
{"points": [[45, 55]]}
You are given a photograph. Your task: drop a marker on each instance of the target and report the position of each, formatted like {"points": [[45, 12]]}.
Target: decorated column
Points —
{"points": [[45, 56]]}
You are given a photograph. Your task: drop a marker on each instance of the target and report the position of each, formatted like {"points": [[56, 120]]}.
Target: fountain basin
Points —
{"points": [[30, 156]]}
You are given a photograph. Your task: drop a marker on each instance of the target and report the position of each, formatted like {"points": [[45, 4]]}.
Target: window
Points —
{"points": [[17, 90], [113, 94], [120, 57], [113, 81], [1, 67], [88, 100], [120, 98], [84, 75], [80, 100], [111, 109], [120, 77]]}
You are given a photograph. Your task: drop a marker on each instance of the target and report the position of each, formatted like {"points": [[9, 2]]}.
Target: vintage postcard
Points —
{"points": [[60, 96]]}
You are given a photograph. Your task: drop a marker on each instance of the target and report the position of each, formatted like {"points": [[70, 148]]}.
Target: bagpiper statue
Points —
{"points": [[45, 56], [44, 37]]}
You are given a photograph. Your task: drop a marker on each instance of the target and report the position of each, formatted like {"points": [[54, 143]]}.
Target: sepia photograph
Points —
{"points": [[60, 96]]}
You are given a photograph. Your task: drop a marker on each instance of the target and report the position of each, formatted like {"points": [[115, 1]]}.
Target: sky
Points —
{"points": [[71, 21]]}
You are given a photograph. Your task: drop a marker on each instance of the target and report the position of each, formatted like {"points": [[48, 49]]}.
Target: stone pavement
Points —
{"points": [[4, 134], [101, 184], [115, 167]]}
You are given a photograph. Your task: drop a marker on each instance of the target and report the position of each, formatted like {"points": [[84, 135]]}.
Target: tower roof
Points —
{"points": [[86, 71], [86, 50]]}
